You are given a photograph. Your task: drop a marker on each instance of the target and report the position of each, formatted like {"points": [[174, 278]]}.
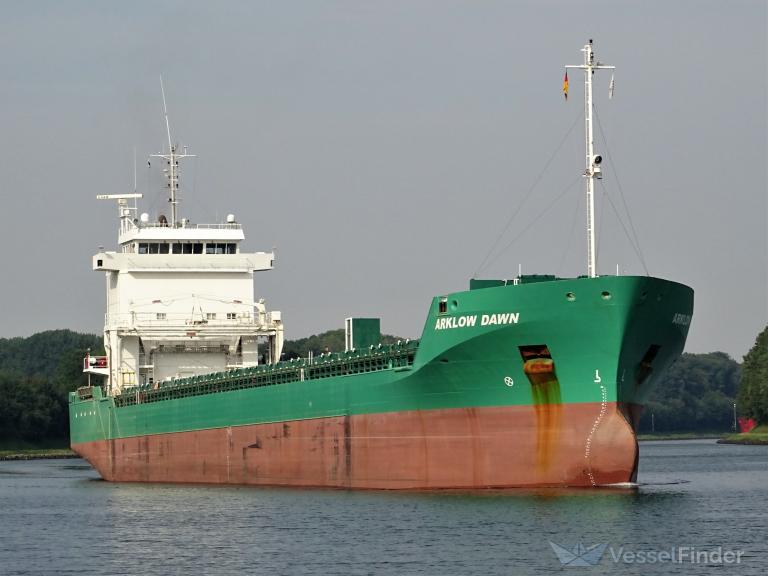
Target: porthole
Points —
{"points": [[605, 295], [570, 296]]}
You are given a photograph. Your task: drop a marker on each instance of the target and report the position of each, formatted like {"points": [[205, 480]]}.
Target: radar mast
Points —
{"points": [[593, 160], [172, 163]]}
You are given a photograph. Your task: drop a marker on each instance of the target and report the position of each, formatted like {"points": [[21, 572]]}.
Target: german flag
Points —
{"points": [[565, 85]]}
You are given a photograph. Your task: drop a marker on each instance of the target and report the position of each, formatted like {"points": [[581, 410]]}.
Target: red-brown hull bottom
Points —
{"points": [[469, 448]]}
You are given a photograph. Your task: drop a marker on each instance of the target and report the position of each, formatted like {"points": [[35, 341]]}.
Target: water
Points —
{"points": [[56, 517]]}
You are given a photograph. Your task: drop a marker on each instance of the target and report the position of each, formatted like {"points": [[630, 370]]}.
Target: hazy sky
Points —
{"points": [[381, 146]]}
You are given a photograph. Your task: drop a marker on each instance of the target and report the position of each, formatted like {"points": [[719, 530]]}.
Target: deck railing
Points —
{"points": [[189, 225], [184, 319], [396, 356]]}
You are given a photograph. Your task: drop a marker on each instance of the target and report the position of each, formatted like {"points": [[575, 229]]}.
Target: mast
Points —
{"points": [[172, 161], [593, 160]]}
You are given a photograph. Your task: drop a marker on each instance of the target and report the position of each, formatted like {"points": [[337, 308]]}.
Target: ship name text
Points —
{"points": [[681, 319], [470, 320]]}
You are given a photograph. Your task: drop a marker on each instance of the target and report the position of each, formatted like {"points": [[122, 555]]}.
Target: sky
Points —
{"points": [[382, 148]]}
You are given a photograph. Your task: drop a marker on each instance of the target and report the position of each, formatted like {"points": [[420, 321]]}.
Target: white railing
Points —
{"points": [[181, 319], [189, 225]]}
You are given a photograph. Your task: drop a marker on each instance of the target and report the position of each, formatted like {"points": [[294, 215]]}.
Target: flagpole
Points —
{"points": [[593, 160]]}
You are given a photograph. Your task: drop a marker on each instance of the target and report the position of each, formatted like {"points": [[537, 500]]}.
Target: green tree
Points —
{"points": [[753, 392], [330, 341], [36, 373], [696, 394]]}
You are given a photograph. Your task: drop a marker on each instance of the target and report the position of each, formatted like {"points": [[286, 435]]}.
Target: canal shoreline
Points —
{"points": [[11, 455]]}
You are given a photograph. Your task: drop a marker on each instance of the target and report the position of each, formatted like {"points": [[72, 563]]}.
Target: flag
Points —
{"points": [[610, 88], [565, 85]]}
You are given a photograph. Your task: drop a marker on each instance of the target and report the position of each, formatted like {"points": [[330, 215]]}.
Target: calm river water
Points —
{"points": [[701, 507]]}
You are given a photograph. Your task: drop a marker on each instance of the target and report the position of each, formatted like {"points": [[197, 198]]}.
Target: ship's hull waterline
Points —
{"points": [[538, 384], [465, 448]]}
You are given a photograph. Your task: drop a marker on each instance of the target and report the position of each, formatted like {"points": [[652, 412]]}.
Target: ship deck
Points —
{"points": [[383, 357]]}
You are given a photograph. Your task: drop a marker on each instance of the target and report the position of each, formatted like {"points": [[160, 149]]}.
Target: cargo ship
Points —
{"points": [[522, 382]]}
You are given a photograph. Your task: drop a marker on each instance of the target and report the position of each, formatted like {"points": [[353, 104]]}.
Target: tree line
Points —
{"points": [[753, 393], [38, 372], [696, 394], [330, 341]]}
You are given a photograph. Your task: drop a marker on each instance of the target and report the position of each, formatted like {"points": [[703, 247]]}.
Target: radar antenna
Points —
{"points": [[172, 163]]}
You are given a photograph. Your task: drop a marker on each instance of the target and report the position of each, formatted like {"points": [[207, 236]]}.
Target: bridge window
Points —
{"points": [[221, 248], [176, 248]]}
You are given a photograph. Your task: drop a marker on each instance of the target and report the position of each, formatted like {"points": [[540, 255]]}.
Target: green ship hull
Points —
{"points": [[536, 382]]}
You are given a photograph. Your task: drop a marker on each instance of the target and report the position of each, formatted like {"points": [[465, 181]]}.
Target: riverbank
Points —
{"points": [[41, 450], [37, 454], [757, 437], [680, 436]]}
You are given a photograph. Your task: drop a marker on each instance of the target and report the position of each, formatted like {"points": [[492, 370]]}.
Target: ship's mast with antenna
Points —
{"points": [[592, 160], [172, 160]]}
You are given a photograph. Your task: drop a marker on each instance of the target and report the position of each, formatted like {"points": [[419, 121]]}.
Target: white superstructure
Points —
{"points": [[180, 298]]}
